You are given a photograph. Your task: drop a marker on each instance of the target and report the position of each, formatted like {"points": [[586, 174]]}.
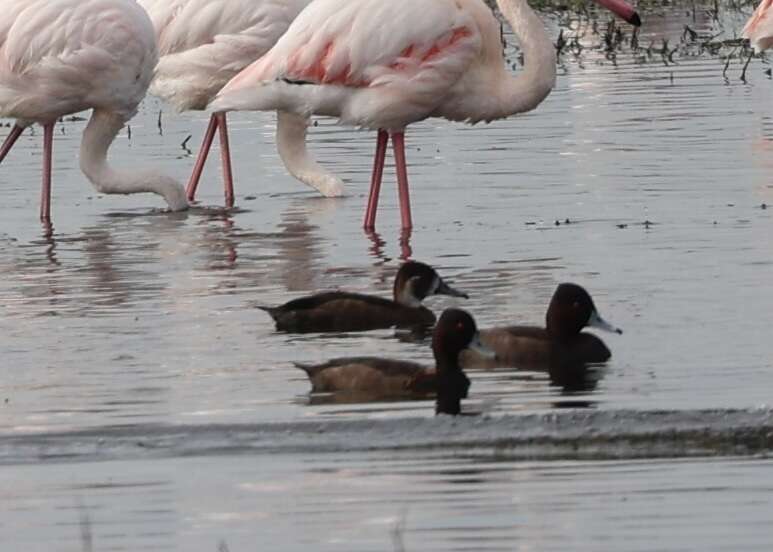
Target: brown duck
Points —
{"points": [[373, 377], [559, 347], [342, 311]]}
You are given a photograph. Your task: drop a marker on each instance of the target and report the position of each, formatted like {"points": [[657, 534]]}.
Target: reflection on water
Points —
{"points": [[391, 501], [378, 244], [118, 285]]}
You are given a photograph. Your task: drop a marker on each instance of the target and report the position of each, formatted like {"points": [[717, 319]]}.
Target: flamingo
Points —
{"points": [[382, 65], [202, 45], [65, 56], [759, 27]]}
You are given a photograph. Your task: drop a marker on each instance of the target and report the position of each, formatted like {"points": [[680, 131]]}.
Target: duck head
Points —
{"points": [[415, 281], [570, 310], [455, 331]]}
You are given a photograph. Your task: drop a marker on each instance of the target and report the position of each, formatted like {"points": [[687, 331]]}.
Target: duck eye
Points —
{"points": [[576, 305]]}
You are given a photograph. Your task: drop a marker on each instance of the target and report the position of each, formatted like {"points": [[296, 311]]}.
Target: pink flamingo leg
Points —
{"points": [[225, 157], [398, 143], [45, 194], [193, 183], [405, 244], [375, 181], [10, 141]]}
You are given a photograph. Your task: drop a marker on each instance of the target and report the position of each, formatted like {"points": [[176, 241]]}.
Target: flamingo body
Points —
{"points": [[339, 58], [59, 57], [383, 65], [759, 27], [202, 45], [64, 56]]}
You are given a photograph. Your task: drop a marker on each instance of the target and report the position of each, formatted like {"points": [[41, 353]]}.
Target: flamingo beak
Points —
{"points": [[622, 9]]}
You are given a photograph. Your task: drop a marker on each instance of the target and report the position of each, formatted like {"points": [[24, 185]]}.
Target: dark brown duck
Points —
{"points": [[341, 311], [373, 377], [558, 347]]}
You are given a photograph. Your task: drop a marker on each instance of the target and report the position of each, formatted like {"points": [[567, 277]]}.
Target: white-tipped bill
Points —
{"points": [[596, 321]]}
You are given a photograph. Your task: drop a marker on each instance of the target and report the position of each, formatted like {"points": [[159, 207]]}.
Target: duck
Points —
{"points": [[343, 311], [561, 347], [374, 377]]}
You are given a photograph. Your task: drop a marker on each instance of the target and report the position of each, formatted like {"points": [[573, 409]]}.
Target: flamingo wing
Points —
{"points": [[410, 52], [759, 28], [204, 43], [63, 56]]}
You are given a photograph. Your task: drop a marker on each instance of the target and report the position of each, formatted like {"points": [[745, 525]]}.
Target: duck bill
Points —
{"points": [[622, 9], [483, 350], [597, 322], [445, 289]]}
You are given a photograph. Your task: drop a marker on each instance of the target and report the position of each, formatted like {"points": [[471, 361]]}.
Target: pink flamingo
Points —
{"points": [[382, 65], [202, 45], [62, 57], [759, 27]]}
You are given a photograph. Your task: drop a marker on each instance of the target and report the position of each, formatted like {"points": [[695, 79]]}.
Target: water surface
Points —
{"points": [[129, 317]]}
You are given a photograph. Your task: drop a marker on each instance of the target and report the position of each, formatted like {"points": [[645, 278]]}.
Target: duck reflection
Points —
{"points": [[574, 376]]}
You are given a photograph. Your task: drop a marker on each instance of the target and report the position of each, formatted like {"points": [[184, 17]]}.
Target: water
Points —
{"points": [[137, 325], [400, 501]]}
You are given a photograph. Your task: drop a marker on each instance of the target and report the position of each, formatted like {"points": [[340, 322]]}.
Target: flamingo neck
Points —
{"points": [[100, 133], [291, 143], [534, 82]]}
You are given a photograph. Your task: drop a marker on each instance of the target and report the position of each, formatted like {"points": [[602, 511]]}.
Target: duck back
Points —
{"points": [[372, 375], [338, 311], [531, 347]]}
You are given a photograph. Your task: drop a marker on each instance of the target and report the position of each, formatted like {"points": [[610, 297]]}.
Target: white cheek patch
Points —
{"points": [[435, 286], [407, 294]]}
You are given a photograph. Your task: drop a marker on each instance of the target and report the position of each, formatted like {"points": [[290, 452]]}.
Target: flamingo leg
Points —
{"points": [[193, 183], [405, 244], [398, 143], [45, 193], [375, 181], [10, 141], [225, 157]]}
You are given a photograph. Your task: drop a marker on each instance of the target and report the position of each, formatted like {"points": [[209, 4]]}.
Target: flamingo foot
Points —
{"points": [[405, 244]]}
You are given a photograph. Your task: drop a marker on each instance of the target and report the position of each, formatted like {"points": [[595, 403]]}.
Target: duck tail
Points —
{"points": [[272, 311], [310, 369]]}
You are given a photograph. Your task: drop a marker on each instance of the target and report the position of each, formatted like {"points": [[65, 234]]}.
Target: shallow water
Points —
{"points": [[130, 317], [399, 501]]}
